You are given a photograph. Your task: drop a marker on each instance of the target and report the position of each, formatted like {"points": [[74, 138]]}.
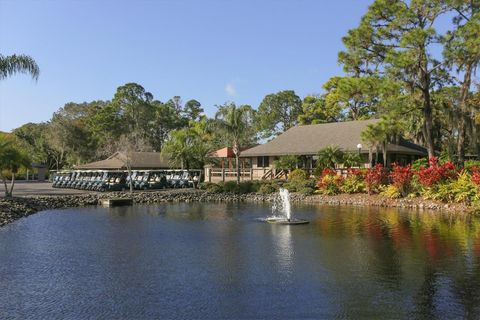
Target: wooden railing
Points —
{"points": [[219, 174]]}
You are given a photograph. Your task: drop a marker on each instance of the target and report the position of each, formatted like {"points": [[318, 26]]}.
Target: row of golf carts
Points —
{"points": [[120, 180]]}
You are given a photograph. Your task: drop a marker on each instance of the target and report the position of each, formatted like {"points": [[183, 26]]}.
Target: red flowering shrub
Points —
{"points": [[355, 172], [328, 171], [354, 182], [401, 177], [476, 176], [374, 178], [436, 172], [329, 182]]}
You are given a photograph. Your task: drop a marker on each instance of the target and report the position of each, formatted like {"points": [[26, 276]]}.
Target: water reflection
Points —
{"points": [[433, 258], [218, 261], [283, 246]]}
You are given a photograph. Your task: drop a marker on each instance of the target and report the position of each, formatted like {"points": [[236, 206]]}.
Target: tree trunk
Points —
{"points": [[467, 79], [370, 155], [428, 121], [425, 82], [384, 151], [12, 184], [130, 179], [237, 164], [5, 184]]}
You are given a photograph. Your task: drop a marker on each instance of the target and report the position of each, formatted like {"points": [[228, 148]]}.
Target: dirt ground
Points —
{"points": [[34, 188]]}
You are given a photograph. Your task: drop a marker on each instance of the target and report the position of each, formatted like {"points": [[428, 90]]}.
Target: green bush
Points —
{"points": [[288, 162], [298, 184], [229, 186], [468, 165], [330, 184], [247, 187], [461, 190], [214, 188], [417, 164], [297, 174], [267, 188], [204, 185], [306, 191], [351, 159], [391, 192], [353, 184]]}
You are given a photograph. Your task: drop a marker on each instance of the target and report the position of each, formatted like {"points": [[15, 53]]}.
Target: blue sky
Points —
{"points": [[213, 51]]}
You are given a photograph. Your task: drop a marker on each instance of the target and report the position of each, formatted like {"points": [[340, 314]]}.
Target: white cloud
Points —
{"points": [[230, 89]]}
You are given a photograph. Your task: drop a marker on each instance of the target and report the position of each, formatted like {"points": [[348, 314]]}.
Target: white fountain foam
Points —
{"points": [[281, 208], [285, 196]]}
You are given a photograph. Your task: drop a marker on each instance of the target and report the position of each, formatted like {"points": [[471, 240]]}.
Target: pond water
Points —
{"points": [[220, 261]]}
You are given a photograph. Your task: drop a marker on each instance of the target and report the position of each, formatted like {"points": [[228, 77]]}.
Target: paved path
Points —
{"points": [[25, 189]]}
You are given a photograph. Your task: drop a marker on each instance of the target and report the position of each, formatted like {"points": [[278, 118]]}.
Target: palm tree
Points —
{"points": [[11, 159], [186, 149], [373, 136], [236, 123], [329, 156], [10, 65]]}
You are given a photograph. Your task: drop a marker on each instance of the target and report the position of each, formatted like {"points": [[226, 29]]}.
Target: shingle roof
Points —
{"points": [[309, 139], [139, 160]]}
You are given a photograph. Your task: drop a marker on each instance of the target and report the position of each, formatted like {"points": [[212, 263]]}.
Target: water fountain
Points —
{"points": [[282, 211]]}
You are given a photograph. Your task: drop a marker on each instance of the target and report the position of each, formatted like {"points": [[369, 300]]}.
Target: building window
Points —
{"points": [[263, 162]]}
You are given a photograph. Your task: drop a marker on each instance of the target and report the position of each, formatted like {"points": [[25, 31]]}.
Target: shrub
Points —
{"points": [[391, 191], [476, 176], [297, 174], [329, 183], [401, 178], [354, 182], [297, 185], [288, 162], [247, 187], [267, 188], [204, 185], [213, 188], [435, 172], [351, 159], [417, 164], [329, 157], [307, 191], [375, 178], [462, 189], [471, 164], [229, 186]]}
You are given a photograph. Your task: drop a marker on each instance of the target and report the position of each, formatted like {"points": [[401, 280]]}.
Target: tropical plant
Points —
{"points": [[460, 189], [330, 183], [186, 149], [329, 157], [435, 172], [354, 182], [375, 178], [297, 174], [11, 160], [10, 65], [391, 191], [351, 159], [471, 164], [287, 162], [401, 178]]}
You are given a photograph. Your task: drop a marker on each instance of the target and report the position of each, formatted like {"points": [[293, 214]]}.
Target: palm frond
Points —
{"points": [[10, 65]]}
